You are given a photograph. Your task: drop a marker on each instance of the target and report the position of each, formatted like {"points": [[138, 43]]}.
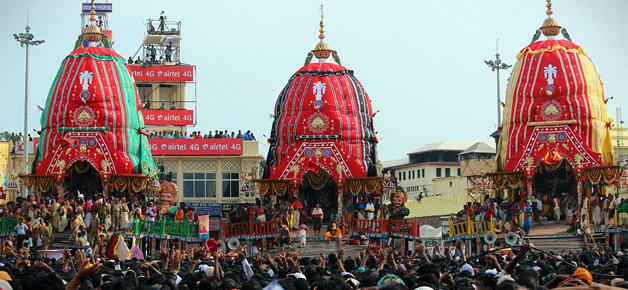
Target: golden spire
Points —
{"points": [[92, 17], [550, 27], [92, 33], [322, 50], [321, 36]]}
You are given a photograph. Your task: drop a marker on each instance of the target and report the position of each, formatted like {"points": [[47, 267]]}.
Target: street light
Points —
{"points": [[497, 65], [26, 39]]}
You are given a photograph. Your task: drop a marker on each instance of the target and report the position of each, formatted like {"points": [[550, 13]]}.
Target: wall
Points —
{"points": [[182, 166], [424, 184]]}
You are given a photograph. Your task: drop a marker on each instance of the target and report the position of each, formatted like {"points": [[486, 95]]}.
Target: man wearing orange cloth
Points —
{"points": [[296, 213]]}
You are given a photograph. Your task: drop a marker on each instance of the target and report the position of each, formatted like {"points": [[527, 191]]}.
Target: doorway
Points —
{"points": [[83, 177], [319, 188]]}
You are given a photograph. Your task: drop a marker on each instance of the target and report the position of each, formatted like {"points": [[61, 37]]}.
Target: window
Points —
{"points": [[451, 184], [423, 172], [230, 185], [439, 172], [458, 171], [413, 174], [198, 185], [418, 173], [174, 177], [447, 172]]}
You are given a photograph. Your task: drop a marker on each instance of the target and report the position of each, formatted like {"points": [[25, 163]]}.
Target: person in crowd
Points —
{"points": [[317, 218], [333, 233], [20, 229], [622, 213], [302, 235], [296, 212]]}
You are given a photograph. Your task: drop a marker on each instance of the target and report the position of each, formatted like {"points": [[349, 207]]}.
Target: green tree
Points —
{"points": [[4, 136]]}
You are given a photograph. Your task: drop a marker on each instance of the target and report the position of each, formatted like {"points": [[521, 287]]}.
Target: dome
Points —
{"points": [[554, 105], [92, 115], [323, 120]]}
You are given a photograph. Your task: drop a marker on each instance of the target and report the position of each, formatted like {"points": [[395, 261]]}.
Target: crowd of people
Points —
{"points": [[95, 222], [595, 211], [247, 136], [424, 268], [88, 221]]}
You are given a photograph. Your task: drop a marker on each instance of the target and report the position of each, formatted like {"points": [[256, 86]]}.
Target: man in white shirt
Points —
{"points": [[21, 229], [370, 210]]}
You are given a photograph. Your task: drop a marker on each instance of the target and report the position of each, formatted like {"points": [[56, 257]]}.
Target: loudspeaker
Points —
{"points": [[490, 237], [511, 238], [233, 243]]}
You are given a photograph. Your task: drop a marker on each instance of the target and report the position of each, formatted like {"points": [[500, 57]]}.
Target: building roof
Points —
{"points": [[443, 146], [395, 162], [479, 147]]}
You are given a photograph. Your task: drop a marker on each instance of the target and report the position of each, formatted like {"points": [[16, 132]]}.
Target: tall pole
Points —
{"points": [[497, 65], [499, 105], [26, 107], [26, 39]]}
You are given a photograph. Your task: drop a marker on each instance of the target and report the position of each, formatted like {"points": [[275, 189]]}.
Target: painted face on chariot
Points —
{"points": [[397, 199]]}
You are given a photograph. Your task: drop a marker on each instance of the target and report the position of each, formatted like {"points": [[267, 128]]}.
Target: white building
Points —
{"points": [[443, 173], [418, 172]]}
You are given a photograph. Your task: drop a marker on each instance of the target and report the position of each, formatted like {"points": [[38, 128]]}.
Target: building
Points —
{"points": [[440, 177], [205, 170], [432, 169], [619, 137], [14, 166]]}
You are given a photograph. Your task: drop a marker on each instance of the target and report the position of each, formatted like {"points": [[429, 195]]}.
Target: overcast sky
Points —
{"points": [[420, 61]]}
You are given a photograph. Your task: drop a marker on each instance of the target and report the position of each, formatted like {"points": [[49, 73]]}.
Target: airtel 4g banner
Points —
{"points": [[162, 73], [163, 146], [168, 117]]}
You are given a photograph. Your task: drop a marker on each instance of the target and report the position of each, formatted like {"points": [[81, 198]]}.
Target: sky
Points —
{"points": [[422, 62]]}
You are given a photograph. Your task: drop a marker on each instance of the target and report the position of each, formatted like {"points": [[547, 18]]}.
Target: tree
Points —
{"points": [[5, 136]]}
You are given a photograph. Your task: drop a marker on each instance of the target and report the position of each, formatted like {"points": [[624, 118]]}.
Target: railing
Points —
{"points": [[398, 227], [249, 229], [163, 227], [7, 225], [470, 227]]}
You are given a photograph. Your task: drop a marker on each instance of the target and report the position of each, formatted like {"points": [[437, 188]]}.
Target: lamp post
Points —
{"points": [[26, 39], [497, 65]]}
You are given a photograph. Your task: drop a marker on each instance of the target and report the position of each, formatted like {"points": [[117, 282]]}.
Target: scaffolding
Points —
{"points": [[162, 43]]}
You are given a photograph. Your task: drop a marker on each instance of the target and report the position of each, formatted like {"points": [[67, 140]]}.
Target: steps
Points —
{"points": [[558, 243], [61, 241], [314, 248]]}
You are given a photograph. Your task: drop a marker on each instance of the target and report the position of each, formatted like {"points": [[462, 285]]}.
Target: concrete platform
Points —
{"points": [[551, 229], [315, 248]]}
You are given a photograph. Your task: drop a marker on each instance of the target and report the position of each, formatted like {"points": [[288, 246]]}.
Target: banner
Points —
{"points": [[206, 208], [162, 73], [168, 117], [99, 7], [203, 226], [214, 225], [32, 146], [164, 146]]}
